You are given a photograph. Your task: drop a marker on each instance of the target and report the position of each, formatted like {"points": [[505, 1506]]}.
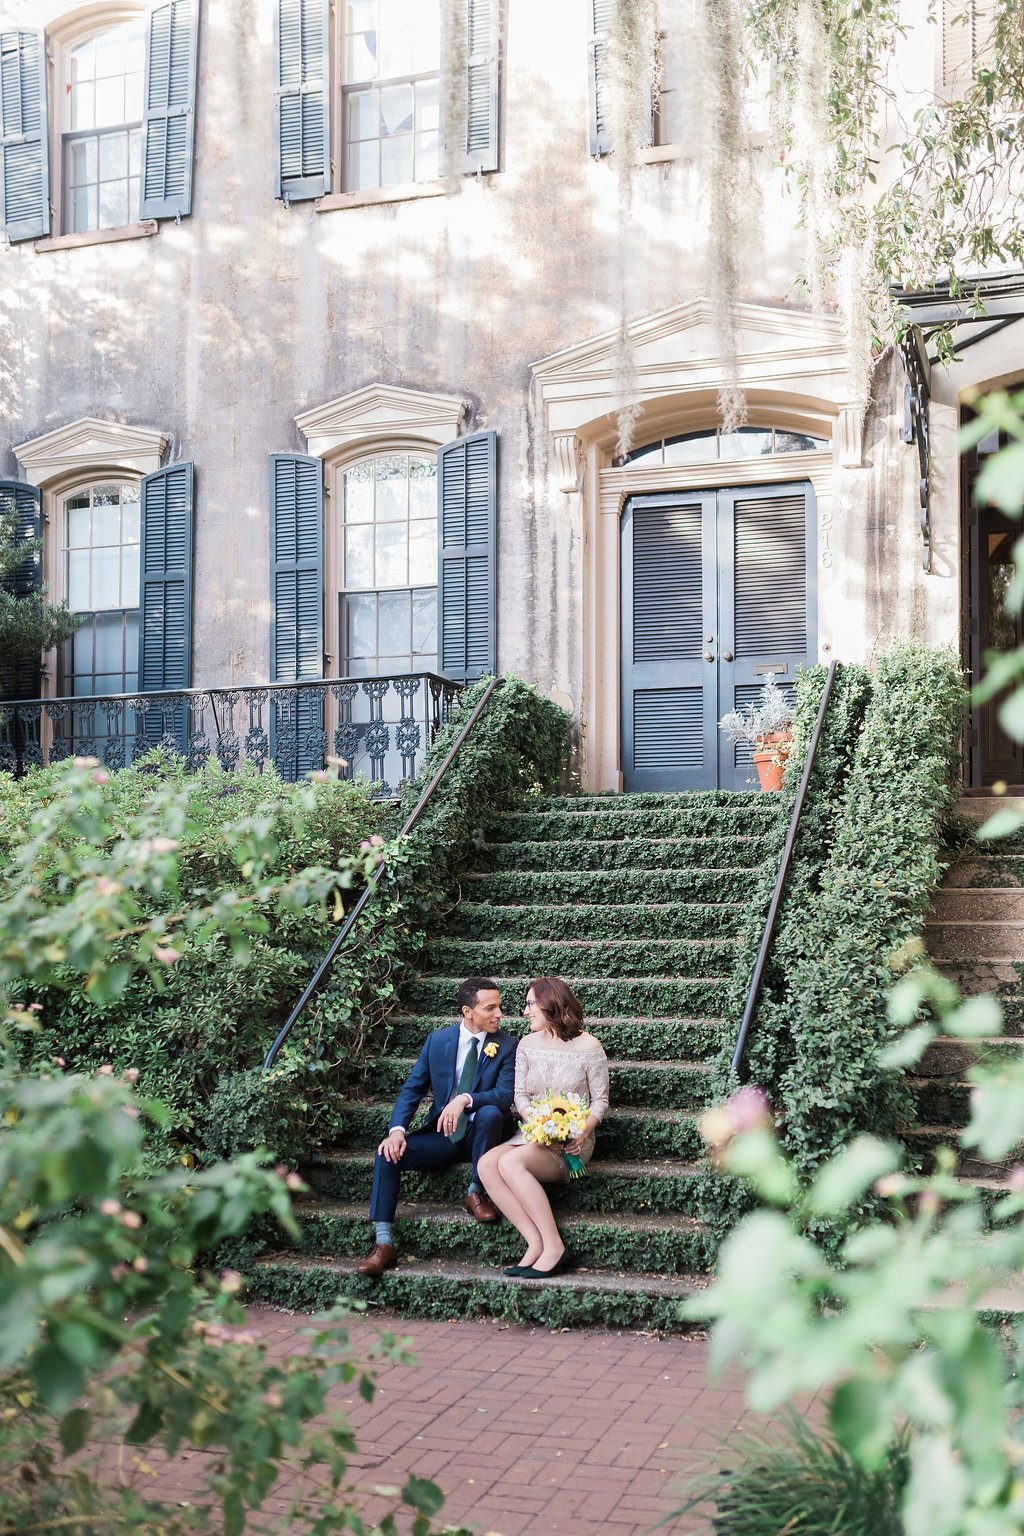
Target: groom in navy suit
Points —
{"points": [[469, 1070]]}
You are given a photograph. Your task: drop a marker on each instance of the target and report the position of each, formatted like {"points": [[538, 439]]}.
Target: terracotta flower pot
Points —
{"points": [[770, 759]]}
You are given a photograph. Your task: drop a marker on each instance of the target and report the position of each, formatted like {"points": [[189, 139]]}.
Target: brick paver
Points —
{"points": [[528, 1432]]}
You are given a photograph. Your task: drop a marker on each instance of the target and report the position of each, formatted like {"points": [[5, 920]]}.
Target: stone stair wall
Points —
{"points": [[975, 935], [636, 900]]}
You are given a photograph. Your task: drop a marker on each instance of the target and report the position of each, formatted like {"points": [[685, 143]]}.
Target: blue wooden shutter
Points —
{"points": [[467, 499], [170, 116], [302, 99], [23, 680], [601, 14], [165, 588], [24, 152], [297, 588], [482, 86]]}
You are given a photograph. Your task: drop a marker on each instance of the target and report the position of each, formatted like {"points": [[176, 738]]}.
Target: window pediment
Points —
{"points": [[87, 444], [377, 413]]}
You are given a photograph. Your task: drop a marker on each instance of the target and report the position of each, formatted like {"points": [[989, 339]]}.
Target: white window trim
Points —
{"points": [[69, 458], [379, 419], [65, 29]]}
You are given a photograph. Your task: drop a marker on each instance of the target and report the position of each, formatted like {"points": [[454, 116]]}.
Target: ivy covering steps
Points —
{"points": [[637, 901]]}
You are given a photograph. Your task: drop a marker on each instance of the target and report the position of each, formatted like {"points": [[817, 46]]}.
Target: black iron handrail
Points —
{"points": [[753, 994], [374, 881]]}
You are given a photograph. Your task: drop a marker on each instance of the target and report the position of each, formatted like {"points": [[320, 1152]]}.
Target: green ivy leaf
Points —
{"points": [[74, 1430], [423, 1495], [861, 1420], [909, 1048], [1004, 823], [844, 1179]]}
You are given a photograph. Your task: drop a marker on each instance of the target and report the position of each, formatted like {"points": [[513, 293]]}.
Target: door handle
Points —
{"points": [[709, 655], [727, 655]]}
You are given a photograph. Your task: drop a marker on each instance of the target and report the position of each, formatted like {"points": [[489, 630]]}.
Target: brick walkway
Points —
{"points": [[529, 1431]]}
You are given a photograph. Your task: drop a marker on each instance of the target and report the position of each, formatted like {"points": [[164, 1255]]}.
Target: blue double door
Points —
{"points": [[718, 590]]}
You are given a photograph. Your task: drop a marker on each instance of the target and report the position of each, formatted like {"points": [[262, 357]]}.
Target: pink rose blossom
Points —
{"points": [[100, 776], [131, 1219], [1016, 1179], [87, 762], [293, 1181], [749, 1109], [131, 1073], [231, 1282], [141, 1264], [106, 1070], [130, 1111], [166, 955], [890, 1184], [111, 1207]]}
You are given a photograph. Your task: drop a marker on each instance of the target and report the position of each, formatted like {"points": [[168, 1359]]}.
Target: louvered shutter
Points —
{"points": [[302, 102], [165, 584], [23, 679], [24, 152], [297, 586], [165, 600], [601, 14], [967, 32], [170, 117], [482, 86], [467, 498]]}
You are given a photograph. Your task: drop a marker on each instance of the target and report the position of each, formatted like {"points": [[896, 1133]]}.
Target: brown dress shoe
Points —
{"points": [[480, 1207], [383, 1257]]}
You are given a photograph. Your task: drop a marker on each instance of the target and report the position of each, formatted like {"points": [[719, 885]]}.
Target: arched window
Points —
{"points": [[387, 582], [713, 443], [101, 126], [99, 560]]}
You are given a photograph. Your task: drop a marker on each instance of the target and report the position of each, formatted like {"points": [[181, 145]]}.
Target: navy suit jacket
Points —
{"points": [[493, 1082]]}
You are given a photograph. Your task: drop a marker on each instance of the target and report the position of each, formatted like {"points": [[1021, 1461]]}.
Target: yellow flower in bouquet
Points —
{"points": [[557, 1118]]}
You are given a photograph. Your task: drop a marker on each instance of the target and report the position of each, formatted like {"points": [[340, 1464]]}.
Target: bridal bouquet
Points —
{"points": [[557, 1118]]}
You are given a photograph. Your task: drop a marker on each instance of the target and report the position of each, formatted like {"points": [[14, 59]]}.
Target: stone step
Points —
{"points": [[580, 957], [683, 799], [948, 1057], [646, 1243], [990, 939], [988, 974], [664, 1184], [626, 1135], [984, 871], [570, 920], [967, 905], [627, 853], [667, 1084], [678, 1039], [925, 1140], [599, 995], [599, 887], [980, 807], [604, 1298], [561, 822]]}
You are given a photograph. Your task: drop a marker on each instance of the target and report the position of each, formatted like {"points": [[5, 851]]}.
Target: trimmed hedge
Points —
{"points": [[850, 941], [599, 887]]}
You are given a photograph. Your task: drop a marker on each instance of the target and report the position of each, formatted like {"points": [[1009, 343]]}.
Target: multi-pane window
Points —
{"points": [[391, 93], [388, 597], [744, 443], [102, 127], [101, 581]]}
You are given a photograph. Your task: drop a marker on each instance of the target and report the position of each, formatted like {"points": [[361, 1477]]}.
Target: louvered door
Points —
{"points": [[668, 602], [717, 590]]}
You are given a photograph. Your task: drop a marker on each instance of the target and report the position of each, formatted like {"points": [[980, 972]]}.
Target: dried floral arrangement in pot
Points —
{"points": [[759, 725]]}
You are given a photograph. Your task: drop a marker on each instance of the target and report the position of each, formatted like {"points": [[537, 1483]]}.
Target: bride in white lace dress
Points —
{"points": [[558, 1053]]}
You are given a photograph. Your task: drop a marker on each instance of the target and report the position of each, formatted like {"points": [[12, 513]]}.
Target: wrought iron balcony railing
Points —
{"points": [[377, 726]]}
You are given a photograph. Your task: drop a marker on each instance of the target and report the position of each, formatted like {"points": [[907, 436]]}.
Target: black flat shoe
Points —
{"points": [[567, 1261], [516, 1271]]}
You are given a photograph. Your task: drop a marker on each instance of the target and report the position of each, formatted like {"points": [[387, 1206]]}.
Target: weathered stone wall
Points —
{"points": [[221, 329]]}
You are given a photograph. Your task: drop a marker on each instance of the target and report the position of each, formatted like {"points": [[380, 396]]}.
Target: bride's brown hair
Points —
{"points": [[559, 1005]]}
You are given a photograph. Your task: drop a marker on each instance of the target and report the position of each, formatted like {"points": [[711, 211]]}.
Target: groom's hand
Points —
{"points": [[393, 1145], [448, 1119]]}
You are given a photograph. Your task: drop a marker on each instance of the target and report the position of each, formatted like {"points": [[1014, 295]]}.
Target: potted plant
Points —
{"points": [[764, 727]]}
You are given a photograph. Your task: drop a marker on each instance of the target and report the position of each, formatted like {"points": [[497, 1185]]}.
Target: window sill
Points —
{"points": [[402, 194], [657, 154], [96, 237]]}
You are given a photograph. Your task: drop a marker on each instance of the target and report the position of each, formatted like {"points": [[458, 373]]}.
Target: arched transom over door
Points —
{"points": [[718, 590]]}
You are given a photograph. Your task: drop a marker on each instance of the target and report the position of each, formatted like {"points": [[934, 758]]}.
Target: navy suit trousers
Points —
{"points": [[426, 1150]]}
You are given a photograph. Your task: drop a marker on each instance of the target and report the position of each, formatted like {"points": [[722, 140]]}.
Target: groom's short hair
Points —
{"points": [[470, 989]]}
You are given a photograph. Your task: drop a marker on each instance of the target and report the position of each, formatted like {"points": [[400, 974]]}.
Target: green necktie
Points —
{"points": [[464, 1085]]}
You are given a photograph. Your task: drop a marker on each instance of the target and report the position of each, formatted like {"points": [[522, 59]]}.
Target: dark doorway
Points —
{"points": [[994, 757], [718, 589]]}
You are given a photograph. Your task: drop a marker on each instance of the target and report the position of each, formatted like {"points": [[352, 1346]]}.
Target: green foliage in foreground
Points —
{"points": [[889, 1330], [30, 623], [240, 868], [110, 1335]]}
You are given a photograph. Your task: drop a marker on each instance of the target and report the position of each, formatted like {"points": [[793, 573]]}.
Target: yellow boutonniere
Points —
{"points": [[492, 1049]]}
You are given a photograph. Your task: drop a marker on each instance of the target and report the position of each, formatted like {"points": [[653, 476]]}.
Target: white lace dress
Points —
{"points": [[567, 1069]]}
